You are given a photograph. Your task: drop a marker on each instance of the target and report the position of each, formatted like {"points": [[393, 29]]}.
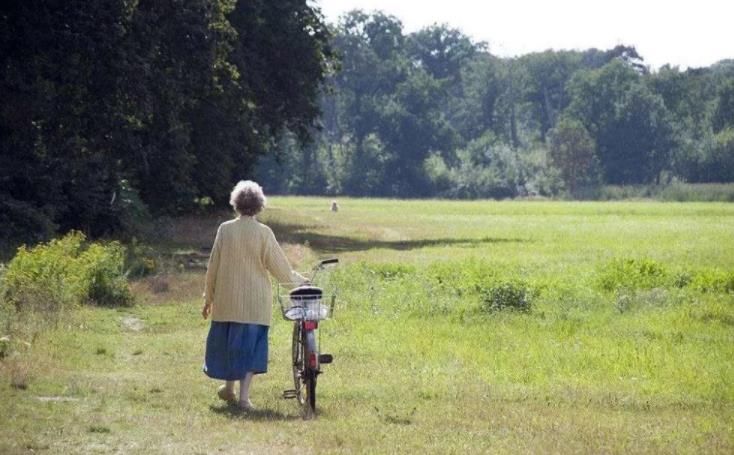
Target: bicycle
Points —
{"points": [[306, 306]]}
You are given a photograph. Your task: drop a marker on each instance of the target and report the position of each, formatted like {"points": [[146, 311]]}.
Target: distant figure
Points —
{"points": [[238, 294], [334, 206]]}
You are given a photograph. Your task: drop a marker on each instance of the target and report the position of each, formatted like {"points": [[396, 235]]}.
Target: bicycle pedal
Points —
{"points": [[326, 358], [289, 394]]}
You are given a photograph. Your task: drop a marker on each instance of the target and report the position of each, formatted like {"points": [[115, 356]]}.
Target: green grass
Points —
{"points": [[645, 366]]}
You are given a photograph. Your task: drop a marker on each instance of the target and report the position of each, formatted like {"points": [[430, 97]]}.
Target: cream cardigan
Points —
{"points": [[237, 281]]}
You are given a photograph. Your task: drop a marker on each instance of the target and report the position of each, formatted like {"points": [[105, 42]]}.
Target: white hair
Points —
{"points": [[247, 198]]}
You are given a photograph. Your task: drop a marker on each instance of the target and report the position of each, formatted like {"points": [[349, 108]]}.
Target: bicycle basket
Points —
{"points": [[305, 303]]}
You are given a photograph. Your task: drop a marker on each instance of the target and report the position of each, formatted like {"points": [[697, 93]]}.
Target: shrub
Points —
{"points": [[632, 274], [682, 279], [103, 275], [66, 272], [41, 278], [140, 259], [507, 295], [713, 281]]}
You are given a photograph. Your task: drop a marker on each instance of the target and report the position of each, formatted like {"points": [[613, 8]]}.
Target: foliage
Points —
{"points": [[65, 273], [723, 116], [629, 123], [713, 280], [675, 191], [115, 109], [140, 259], [632, 273], [407, 109], [507, 295], [573, 151], [112, 108], [103, 271], [486, 168]]}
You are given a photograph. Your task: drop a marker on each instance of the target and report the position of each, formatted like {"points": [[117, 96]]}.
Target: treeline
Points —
{"points": [[115, 108], [433, 113]]}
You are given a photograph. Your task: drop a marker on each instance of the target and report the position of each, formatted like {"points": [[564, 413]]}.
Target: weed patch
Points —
{"points": [[713, 281], [513, 295], [632, 273]]}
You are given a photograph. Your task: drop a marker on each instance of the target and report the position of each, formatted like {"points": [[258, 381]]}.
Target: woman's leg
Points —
{"points": [[245, 389]]}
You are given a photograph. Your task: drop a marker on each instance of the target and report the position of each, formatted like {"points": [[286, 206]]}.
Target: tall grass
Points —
{"points": [[41, 284]]}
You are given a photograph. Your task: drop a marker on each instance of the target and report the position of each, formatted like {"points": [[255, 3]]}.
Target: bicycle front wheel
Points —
{"points": [[310, 356], [297, 353]]}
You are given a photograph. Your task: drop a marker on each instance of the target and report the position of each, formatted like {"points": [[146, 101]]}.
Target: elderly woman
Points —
{"points": [[238, 294]]}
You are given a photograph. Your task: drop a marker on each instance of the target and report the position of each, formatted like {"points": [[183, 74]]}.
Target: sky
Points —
{"points": [[687, 34]]}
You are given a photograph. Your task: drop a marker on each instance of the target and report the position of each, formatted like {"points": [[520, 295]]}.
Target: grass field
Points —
{"points": [[627, 347]]}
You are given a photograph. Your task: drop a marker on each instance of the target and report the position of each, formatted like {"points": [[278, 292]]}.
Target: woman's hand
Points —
{"points": [[207, 310]]}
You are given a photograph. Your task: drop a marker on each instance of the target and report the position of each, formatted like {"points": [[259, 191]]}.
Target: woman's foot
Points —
{"points": [[246, 405], [226, 394]]}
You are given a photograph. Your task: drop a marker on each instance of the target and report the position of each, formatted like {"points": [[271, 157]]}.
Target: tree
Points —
{"points": [[548, 74], [475, 110], [442, 51], [630, 125], [387, 108], [573, 152], [57, 157], [271, 63], [165, 99], [724, 113], [595, 58]]}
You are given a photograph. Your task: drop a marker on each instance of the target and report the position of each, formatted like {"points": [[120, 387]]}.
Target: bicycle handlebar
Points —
{"points": [[321, 265]]}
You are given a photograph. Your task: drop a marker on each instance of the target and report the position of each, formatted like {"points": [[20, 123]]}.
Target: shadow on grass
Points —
{"points": [[295, 233], [233, 411]]}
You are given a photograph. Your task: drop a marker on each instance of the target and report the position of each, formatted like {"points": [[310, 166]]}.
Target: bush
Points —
{"points": [[682, 279], [103, 275], [507, 295], [713, 281], [64, 273], [632, 274], [140, 259]]}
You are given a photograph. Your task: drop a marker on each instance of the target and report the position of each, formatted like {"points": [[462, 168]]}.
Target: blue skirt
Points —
{"points": [[234, 349]]}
